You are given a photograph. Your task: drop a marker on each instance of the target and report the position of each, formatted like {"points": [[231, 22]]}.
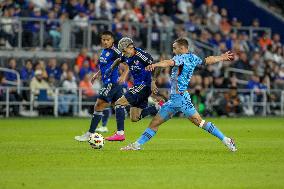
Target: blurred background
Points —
{"points": [[50, 48]]}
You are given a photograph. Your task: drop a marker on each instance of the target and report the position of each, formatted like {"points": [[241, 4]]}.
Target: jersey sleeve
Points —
{"points": [[178, 60], [122, 58], [116, 53], [197, 60], [145, 57]]}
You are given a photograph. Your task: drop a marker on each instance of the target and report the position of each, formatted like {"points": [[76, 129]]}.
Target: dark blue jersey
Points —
{"points": [[108, 56], [137, 64]]}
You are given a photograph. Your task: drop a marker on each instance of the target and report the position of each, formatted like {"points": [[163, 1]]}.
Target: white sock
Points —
{"points": [[225, 140], [120, 132]]}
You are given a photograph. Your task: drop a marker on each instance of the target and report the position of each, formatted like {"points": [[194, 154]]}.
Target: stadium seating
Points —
{"points": [[39, 31]]}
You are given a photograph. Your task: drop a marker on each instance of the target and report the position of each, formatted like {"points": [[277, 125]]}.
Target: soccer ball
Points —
{"points": [[96, 141]]}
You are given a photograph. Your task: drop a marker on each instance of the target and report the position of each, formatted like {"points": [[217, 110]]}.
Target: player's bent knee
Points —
{"points": [[118, 102], [134, 119], [100, 106], [135, 114], [122, 101], [196, 120]]}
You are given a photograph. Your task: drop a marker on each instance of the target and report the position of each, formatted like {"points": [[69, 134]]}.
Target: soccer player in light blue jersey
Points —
{"points": [[183, 65]]}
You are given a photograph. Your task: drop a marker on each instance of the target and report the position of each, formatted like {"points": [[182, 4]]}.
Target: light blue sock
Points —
{"points": [[146, 136], [210, 127]]}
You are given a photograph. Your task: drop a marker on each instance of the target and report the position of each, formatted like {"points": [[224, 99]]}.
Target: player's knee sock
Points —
{"points": [[150, 110], [210, 127], [95, 121], [105, 117], [120, 116], [146, 136]]}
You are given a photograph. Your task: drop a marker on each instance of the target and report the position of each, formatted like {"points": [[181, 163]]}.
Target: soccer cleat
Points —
{"points": [[116, 137], [102, 129], [230, 144], [83, 138], [131, 147]]}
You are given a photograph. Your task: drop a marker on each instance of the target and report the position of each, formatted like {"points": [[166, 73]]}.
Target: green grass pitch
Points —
{"points": [[42, 153]]}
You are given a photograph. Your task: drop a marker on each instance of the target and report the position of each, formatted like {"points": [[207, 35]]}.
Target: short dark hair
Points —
{"points": [[28, 60], [108, 33], [182, 42]]}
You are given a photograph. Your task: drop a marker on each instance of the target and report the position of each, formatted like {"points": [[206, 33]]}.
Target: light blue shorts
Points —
{"points": [[177, 103]]}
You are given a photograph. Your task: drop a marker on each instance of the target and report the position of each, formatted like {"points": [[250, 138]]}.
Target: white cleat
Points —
{"points": [[230, 144], [83, 138], [102, 129], [131, 147]]}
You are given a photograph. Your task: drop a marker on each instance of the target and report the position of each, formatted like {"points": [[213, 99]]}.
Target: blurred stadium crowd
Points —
{"points": [[262, 55]]}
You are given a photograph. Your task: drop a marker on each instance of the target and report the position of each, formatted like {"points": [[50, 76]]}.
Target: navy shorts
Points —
{"points": [[138, 95], [111, 92]]}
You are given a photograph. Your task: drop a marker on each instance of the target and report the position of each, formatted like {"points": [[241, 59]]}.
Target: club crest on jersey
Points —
{"points": [[107, 54], [136, 62]]}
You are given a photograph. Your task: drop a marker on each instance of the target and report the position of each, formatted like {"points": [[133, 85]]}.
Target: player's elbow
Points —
{"points": [[170, 63], [208, 61]]}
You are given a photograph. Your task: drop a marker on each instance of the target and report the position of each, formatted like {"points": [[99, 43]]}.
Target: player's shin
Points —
{"points": [[212, 129], [97, 116], [106, 116], [146, 136], [120, 117]]}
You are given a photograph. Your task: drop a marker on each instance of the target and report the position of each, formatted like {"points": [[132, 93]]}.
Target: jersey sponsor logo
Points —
{"points": [[135, 68]]}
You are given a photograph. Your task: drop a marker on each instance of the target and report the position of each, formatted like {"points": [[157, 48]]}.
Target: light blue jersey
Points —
{"points": [[182, 71], [181, 74]]}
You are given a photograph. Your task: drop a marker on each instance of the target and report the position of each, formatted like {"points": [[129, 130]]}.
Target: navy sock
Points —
{"points": [[146, 136], [150, 110], [120, 116], [210, 127], [105, 117], [95, 121]]}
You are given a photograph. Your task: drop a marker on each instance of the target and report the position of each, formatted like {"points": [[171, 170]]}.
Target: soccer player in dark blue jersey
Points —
{"points": [[137, 96], [112, 88]]}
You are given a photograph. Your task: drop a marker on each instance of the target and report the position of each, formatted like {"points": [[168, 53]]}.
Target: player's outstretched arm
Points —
{"points": [[95, 76], [228, 56], [155, 75], [164, 63], [114, 65]]}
